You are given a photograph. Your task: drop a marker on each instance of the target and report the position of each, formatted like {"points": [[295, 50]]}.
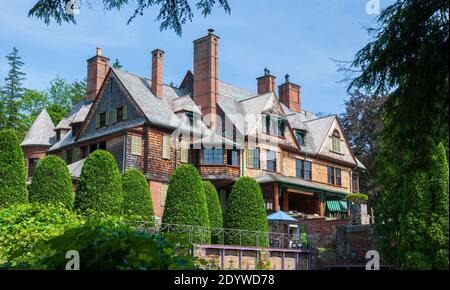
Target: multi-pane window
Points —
{"points": [[252, 158], [273, 125], [213, 156], [233, 157], [334, 175], [119, 114], [303, 169], [330, 171], [166, 147], [338, 177], [101, 120], [336, 141], [136, 145], [301, 137], [184, 158], [271, 160]]}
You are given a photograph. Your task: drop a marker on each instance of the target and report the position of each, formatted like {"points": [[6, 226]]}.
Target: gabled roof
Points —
{"points": [[318, 129], [41, 132], [75, 168]]}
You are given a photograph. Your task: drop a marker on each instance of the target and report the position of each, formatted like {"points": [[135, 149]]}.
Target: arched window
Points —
{"points": [[336, 141]]}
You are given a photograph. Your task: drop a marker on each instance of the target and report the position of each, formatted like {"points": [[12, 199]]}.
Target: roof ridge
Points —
{"points": [[324, 117]]}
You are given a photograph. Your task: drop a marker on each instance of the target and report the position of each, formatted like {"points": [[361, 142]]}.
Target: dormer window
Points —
{"points": [[273, 125], [336, 141], [300, 135]]}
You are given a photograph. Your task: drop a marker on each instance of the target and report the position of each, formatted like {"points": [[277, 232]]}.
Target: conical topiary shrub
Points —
{"points": [[100, 186], [186, 204], [137, 199], [12, 170], [52, 183], [246, 211], [214, 211]]}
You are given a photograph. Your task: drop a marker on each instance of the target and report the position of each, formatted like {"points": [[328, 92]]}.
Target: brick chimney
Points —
{"points": [[206, 76], [157, 72], [289, 95], [266, 83], [97, 68]]}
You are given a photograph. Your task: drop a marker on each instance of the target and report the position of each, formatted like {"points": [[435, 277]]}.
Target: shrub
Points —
{"points": [[22, 226], [137, 199], [246, 211], [186, 202], [358, 198], [52, 183], [110, 244], [12, 170], [214, 210], [100, 186]]}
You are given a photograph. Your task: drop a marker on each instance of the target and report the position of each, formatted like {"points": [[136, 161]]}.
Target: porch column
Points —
{"points": [[276, 200], [321, 204]]}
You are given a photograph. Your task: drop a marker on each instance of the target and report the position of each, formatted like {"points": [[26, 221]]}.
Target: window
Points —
{"points": [[273, 125], [281, 127], [76, 154], [190, 117], [338, 177], [301, 137], [336, 141], [69, 156], [119, 112], [136, 145], [92, 148], [233, 157], [271, 161], [102, 145], [166, 147], [184, 158], [101, 120], [330, 171], [213, 156], [58, 135], [252, 158], [164, 188], [303, 169]]}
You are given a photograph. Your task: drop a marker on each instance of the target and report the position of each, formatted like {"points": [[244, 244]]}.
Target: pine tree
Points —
{"points": [[13, 93], [117, 64]]}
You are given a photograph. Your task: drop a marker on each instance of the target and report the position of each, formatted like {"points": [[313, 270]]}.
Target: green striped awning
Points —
{"points": [[336, 205]]}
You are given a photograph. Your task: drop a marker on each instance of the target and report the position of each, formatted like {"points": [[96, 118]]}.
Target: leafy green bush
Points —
{"points": [[12, 170], [137, 199], [100, 186], [110, 244], [52, 183], [22, 226], [246, 211], [358, 198], [214, 210], [186, 202]]}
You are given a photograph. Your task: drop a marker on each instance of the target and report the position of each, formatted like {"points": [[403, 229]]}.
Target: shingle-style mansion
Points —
{"points": [[303, 163]]}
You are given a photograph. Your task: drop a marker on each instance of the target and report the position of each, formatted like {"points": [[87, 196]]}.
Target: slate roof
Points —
{"points": [[41, 132], [75, 168]]}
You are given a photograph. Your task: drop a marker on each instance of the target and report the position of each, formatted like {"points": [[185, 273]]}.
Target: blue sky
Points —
{"points": [[288, 36]]}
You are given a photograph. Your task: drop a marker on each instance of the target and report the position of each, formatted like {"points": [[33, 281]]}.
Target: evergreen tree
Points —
{"points": [[246, 211], [100, 186], [52, 183], [137, 198], [214, 210], [13, 93], [117, 64], [12, 170]]}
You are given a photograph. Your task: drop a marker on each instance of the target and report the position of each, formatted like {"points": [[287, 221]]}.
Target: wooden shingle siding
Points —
{"points": [[112, 96], [133, 160], [115, 147]]}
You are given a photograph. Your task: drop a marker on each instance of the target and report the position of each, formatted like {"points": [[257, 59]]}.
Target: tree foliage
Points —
{"points": [[172, 14], [12, 170], [99, 186], [246, 211], [23, 226], [186, 200], [214, 209], [52, 183], [137, 198], [407, 61]]}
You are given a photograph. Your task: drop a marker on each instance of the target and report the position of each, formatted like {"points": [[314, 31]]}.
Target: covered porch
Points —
{"points": [[301, 198]]}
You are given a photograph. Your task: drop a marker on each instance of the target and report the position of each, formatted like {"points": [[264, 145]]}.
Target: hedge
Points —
{"points": [[246, 211], [214, 210], [52, 183], [137, 199], [186, 202], [100, 185], [357, 198], [12, 170]]}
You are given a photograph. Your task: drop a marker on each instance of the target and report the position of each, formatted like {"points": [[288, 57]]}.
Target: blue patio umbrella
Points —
{"points": [[281, 216]]}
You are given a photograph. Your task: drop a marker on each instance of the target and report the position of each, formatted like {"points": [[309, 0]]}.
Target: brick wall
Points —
{"points": [[323, 231]]}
